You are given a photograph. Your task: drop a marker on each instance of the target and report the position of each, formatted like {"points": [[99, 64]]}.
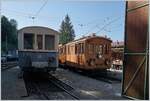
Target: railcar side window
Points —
{"points": [[60, 50], [49, 42], [39, 41], [106, 49], [28, 41], [79, 49], [64, 50], [90, 48], [76, 48], [82, 48], [68, 49], [72, 50], [103, 49]]}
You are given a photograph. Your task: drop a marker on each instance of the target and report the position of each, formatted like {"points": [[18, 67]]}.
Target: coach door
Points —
{"points": [[135, 72]]}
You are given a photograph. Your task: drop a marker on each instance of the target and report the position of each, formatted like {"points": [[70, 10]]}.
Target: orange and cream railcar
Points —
{"points": [[88, 53]]}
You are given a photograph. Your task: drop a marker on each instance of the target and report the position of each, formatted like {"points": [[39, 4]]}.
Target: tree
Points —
{"points": [[67, 33], [8, 34]]}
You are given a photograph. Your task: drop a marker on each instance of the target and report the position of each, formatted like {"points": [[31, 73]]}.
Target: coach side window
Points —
{"points": [[40, 41], [49, 42], [28, 41]]}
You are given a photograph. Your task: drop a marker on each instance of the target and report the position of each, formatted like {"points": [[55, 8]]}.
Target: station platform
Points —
{"points": [[12, 87]]}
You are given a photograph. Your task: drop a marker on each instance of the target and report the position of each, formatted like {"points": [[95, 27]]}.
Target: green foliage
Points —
{"points": [[8, 34], [67, 33]]}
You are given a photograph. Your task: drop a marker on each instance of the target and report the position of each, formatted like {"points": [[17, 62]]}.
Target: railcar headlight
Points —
{"points": [[107, 62], [91, 62], [99, 56]]}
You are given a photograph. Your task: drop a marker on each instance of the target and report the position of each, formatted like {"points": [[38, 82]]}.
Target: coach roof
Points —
{"points": [[38, 27]]}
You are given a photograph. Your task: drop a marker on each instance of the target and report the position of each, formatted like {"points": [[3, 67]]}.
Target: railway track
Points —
{"points": [[44, 87], [40, 92], [5, 66], [67, 88], [105, 78], [101, 76], [108, 79], [33, 87]]}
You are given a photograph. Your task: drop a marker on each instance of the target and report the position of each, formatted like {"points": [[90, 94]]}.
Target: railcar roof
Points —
{"points": [[38, 27], [89, 37]]}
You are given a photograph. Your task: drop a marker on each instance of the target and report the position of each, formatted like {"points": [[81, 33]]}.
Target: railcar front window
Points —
{"points": [[100, 49], [96, 48], [40, 41], [28, 41], [90, 48], [49, 42]]}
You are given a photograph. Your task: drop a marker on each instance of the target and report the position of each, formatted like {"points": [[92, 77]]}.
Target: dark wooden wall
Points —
{"points": [[136, 50]]}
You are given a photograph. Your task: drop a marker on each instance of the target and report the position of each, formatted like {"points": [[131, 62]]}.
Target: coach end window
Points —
{"points": [[49, 42], [39, 41], [28, 41]]}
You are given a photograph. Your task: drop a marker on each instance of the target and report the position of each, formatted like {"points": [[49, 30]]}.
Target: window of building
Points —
{"points": [[39, 41], [28, 41], [49, 42]]}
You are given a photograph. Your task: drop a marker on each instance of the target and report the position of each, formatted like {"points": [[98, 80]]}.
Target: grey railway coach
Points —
{"points": [[38, 49]]}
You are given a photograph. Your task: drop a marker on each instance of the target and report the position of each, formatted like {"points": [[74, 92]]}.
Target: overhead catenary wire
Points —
{"points": [[33, 16], [37, 13], [103, 28], [29, 15]]}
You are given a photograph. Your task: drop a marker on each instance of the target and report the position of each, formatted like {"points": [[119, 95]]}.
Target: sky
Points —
{"points": [[100, 17]]}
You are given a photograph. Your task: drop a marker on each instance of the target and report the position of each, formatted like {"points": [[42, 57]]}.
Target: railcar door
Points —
{"points": [[135, 72]]}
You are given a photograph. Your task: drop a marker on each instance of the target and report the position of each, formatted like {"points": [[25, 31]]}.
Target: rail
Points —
{"points": [[7, 65], [65, 87]]}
